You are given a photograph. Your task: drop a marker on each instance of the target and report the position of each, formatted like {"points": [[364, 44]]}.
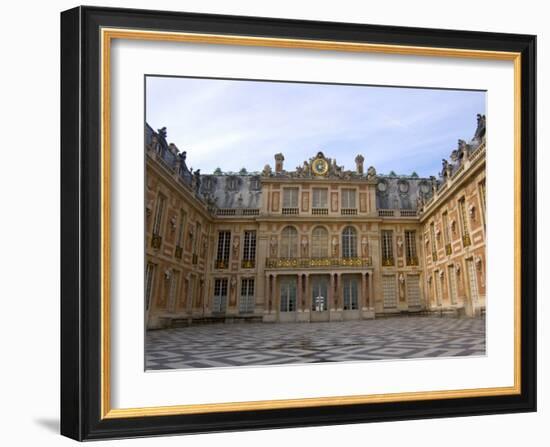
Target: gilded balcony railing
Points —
{"points": [[466, 240], [448, 249], [248, 264], [412, 260], [222, 264], [275, 263]]}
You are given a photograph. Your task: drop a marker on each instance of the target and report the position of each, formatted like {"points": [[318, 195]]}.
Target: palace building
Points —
{"points": [[316, 243]]}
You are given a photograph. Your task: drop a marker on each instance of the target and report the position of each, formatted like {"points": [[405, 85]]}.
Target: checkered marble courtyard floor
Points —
{"points": [[227, 345]]}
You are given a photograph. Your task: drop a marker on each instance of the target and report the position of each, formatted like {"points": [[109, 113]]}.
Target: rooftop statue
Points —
{"points": [[481, 125], [162, 132]]}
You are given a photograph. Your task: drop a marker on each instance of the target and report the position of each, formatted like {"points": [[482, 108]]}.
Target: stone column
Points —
{"points": [[308, 293], [371, 288], [267, 294], [272, 294], [364, 298], [339, 301], [331, 294], [299, 296]]}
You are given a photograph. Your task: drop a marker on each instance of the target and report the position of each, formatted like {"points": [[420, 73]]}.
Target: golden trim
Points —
{"points": [[303, 403], [517, 220], [107, 34], [105, 224]]}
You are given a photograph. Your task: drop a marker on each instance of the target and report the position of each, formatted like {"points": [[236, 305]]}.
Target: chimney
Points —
{"points": [[279, 158], [359, 164]]}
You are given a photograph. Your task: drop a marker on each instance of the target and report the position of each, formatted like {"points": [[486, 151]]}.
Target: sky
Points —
{"points": [[233, 124]]}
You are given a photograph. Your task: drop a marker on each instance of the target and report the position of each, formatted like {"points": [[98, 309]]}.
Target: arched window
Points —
{"points": [[289, 243], [319, 243], [349, 243]]}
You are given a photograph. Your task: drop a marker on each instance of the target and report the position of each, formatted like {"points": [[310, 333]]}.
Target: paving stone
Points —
{"points": [[231, 345]]}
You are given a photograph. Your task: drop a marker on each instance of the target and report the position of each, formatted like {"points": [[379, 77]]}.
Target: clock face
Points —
{"points": [[320, 166], [381, 187]]}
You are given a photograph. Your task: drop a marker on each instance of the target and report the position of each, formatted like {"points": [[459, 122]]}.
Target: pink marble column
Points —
{"points": [[299, 305], [364, 298]]}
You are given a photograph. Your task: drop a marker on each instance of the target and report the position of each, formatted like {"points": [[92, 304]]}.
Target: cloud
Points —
{"points": [[235, 124]]}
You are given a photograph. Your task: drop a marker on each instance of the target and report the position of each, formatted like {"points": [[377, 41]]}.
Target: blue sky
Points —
{"points": [[234, 124]]}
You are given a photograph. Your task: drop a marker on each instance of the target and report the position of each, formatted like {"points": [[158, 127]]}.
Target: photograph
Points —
{"points": [[304, 222]]}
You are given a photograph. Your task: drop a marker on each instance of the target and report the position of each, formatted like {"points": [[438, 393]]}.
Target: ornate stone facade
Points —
{"points": [[317, 243]]}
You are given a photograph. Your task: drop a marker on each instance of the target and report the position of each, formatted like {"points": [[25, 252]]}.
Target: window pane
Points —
{"points": [[290, 198], [319, 243], [349, 243], [320, 198]]}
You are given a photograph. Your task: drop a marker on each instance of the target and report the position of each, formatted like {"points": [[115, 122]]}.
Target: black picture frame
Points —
{"points": [[81, 223]]}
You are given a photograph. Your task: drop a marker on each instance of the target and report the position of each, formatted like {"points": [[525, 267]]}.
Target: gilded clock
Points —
{"points": [[320, 166]]}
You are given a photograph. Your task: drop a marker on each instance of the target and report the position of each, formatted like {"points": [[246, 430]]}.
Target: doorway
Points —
{"points": [[319, 298]]}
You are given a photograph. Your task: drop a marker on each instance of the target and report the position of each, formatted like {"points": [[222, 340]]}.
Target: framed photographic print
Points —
{"points": [[276, 223]]}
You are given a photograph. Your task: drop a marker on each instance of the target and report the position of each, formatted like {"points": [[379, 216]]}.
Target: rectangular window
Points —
{"points": [[288, 295], [350, 294], [197, 241], [174, 284], [439, 287], [192, 299], [348, 199], [410, 247], [464, 222], [249, 246], [452, 284], [149, 283], [320, 199], [290, 197], [472, 281], [219, 302], [434, 244], [246, 303], [389, 291], [445, 223], [482, 200], [157, 225], [413, 290], [387, 247], [224, 243], [181, 229]]}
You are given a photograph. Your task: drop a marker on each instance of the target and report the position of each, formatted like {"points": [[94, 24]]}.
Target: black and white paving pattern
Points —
{"points": [[246, 344]]}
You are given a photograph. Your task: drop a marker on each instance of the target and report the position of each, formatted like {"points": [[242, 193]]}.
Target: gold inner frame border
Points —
{"points": [[107, 35]]}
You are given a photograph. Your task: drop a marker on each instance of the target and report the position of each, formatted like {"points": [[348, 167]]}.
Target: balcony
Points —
{"points": [[388, 262], [222, 264], [466, 241], [306, 263], [412, 260], [290, 211], [407, 213], [448, 249], [348, 211], [229, 212], [156, 240], [319, 211], [434, 256], [248, 263], [397, 213], [179, 252]]}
